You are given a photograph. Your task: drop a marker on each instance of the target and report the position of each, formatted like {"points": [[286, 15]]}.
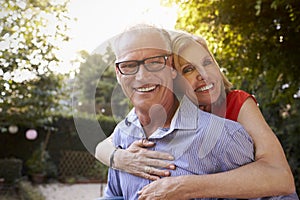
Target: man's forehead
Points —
{"points": [[134, 41], [139, 54]]}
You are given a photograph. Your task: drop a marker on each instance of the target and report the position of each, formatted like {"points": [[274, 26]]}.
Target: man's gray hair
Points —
{"points": [[141, 31]]}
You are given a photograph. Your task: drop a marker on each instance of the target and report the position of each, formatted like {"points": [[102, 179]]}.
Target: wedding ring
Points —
{"points": [[147, 169]]}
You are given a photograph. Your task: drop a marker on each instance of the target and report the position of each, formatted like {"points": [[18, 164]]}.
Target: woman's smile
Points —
{"points": [[204, 88]]}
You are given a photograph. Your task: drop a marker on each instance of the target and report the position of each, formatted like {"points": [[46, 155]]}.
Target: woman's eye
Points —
{"points": [[207, 62], [188, 68]]}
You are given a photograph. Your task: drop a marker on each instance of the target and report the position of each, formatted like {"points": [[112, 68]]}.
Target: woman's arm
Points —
{"points": [[277, 177], [104, 149], [268, 175], [135, 159]]}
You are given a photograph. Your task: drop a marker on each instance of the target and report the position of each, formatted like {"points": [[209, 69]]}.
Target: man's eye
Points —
{"points": [[133, 65], [128, 65], [154, 63], [188, 68]]}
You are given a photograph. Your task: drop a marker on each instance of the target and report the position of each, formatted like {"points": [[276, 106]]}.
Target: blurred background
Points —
{"points": [[46, 46]]}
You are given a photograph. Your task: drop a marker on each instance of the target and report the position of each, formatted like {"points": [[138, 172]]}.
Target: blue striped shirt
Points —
{"points": [[201, 143]]}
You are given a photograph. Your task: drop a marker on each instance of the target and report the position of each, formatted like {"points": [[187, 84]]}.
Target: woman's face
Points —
{"points": [[200, 70]]}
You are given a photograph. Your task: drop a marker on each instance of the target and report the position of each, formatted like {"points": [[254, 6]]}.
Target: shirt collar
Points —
{"points": [[184, 118], [186, 115]]}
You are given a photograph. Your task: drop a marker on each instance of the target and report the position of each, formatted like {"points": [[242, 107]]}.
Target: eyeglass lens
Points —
{"points": [[152, 64]]}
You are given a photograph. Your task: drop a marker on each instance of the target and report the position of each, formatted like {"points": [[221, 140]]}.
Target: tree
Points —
{"points": [[257, 44], [31, 33], [96, 87]]}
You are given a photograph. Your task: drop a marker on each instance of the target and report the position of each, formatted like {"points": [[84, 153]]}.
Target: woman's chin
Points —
{"points": [[205, 98]]}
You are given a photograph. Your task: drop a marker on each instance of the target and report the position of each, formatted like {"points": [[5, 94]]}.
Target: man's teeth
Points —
{"points": [[146, 89], [207, 87]]}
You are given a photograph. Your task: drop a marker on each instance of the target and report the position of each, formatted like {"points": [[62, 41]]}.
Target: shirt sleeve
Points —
{"points": [[113, 187], [292, 196], [238, 150]]}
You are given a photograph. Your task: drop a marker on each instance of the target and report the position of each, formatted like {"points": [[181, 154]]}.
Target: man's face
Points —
{"points": [[147, 88]]}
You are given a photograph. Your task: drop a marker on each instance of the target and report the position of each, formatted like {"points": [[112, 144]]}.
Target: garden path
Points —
{"points": [[60, 191]]}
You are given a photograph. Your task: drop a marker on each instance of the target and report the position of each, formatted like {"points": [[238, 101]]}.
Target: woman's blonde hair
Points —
{"points": [[181, 40]]}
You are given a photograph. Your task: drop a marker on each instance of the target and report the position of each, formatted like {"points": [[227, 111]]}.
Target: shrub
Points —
{"points": [[10, 170], [99, 171]]}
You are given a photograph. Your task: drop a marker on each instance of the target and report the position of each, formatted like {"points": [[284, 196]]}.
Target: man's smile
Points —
{"points": [[146, 88]]}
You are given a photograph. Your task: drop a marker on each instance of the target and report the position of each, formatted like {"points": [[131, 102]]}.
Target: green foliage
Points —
{"points": [[98, 171], [257, 45], [96, 81], [30, 34], [10, 170], [36, 164], [96, 87], [28, 192], [107, 124], [40, 163], [65, 138]]}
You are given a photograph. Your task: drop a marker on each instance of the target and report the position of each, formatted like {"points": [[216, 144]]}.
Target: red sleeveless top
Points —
{"points": [[234, 100]]}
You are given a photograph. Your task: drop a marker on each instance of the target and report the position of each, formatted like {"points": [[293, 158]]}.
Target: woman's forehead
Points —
{"points": [[192, 53]]}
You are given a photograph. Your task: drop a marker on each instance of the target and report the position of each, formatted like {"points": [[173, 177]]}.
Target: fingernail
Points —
{"points": [[172, 166], [171, 158]]}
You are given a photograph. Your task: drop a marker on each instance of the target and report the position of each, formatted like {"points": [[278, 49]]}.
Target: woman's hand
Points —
{"points": [[168, 188], [141, 162]]}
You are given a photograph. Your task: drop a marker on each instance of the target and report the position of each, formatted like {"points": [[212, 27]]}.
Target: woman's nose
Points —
{"points": [[199, 77]]}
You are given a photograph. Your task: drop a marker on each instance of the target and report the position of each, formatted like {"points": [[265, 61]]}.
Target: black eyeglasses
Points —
{"points": [[152, 64]]}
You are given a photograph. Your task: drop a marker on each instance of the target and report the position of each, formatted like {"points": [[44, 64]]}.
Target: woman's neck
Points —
{"points": [[217, 108]]}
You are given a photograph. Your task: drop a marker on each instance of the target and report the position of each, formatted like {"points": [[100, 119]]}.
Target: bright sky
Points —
{"points": [[99, 20]]}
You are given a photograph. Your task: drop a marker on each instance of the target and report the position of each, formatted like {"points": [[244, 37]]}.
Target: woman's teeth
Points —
{"points": [[207, 87]]}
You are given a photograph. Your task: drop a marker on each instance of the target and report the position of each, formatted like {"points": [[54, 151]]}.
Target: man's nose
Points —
{"points": [[142, 72]]}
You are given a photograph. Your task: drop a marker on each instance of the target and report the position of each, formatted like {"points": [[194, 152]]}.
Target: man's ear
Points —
{"points": [[173, 72], [172, 64], [117, 75]]}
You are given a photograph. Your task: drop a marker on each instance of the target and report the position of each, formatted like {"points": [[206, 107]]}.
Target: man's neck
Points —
{"points": [[157, 116]]}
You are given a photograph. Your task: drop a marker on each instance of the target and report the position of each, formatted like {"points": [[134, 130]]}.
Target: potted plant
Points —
{"points": [[37, 165]]}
